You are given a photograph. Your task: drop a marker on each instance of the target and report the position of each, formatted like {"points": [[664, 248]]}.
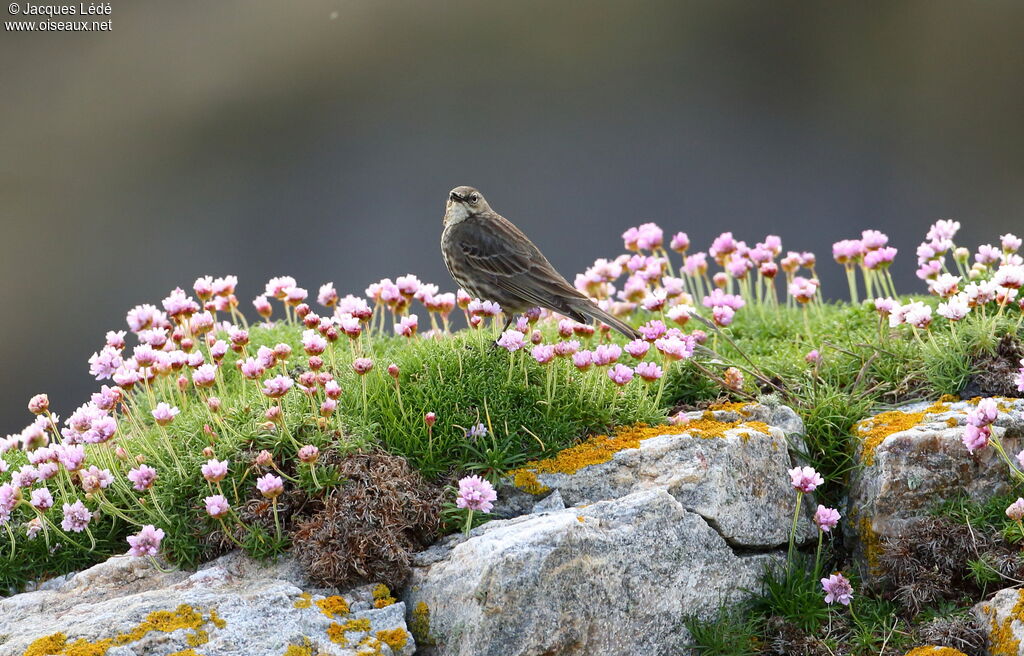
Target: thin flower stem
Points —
{"points": [[792, 532]]}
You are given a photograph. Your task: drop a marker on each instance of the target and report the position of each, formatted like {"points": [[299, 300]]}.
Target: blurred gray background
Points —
{"points": [[319, 139]]}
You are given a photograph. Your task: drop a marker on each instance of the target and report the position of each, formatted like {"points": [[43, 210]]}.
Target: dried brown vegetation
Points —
{"points": [[368, 527]]}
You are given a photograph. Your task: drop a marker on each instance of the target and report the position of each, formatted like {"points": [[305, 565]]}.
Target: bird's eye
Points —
{"points": [[473, 198]]}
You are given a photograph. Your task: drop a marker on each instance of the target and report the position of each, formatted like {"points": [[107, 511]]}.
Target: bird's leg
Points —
{"points": [[508, 323]]}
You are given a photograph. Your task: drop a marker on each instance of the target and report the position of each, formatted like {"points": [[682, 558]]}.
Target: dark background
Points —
{"points": [[319, 139]]}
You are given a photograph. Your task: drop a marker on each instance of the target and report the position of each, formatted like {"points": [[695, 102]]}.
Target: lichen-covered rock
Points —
{"points": [[233, 605], [914, 458], [1002, 618], [727, 465], [933, 650], [605, 579]]}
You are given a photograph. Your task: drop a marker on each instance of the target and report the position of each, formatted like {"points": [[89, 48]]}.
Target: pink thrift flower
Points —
{"points": [[270, 486], [722, 315], [407, 326], [679, 242], [653, 330], [277, 386], [675, 348], [146, 542], [512, 340], [430, 419], [41, 499], [976, 437], [583, 360], [142, 477], [216, 506], [362, 366], [215, 470], [620, 374], [39, 404], [164, 413], [606, 354], [984, 413], [805, 479], [328, 295], [309, 454], [476, 493], [328, 407], [543, 353], [565, 349], [1015, 510], [837, 588], [826, 518], [813, 357], [649, 371], [76, 517], [638, 348], [205, 375]]}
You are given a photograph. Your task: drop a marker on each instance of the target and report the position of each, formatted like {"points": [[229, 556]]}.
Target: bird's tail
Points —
{"points": [[589, 310]]}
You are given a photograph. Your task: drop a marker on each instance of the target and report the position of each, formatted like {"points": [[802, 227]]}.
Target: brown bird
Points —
{"points": [[493, 260]]}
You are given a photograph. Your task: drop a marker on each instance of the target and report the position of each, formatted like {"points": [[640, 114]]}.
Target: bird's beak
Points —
{"points": [[457, 198]]}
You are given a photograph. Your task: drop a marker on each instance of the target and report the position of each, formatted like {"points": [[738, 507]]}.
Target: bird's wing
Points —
{"points": [[501, 251]]}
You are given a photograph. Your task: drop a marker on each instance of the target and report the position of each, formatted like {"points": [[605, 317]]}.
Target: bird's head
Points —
{"points": [[464, 202]]}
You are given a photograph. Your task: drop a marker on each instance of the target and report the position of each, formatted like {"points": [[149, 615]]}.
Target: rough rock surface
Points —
{"points": [[1002, 617], [677, 526], [736, 481], [913, 459], [230, 606], [610, 578]]}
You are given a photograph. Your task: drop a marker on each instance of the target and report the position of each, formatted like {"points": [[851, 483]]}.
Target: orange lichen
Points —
{"points": [[526, 480], [185, 652], [952, 422], [600, 448], [305, 600], [184, 617], [949, 398], [874, 430], [580, 519], [1002, 642], [935, 651], [334, 606], [394, 638]]}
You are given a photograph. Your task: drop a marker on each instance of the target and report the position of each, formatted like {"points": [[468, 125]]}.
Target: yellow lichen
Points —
{"points": [[949, 398], [185, 652], [183, 617], [739, 407], [526, 480], [935, 651], [200, 637], [305, 600], [305, 649], [334, 606], [952, 422], [1002, 642], [600, 448], [382, 596], [336, 632], [394, 638], [937, 408], [580, 519], [420, 624], [874, 430], [872, 548]]}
